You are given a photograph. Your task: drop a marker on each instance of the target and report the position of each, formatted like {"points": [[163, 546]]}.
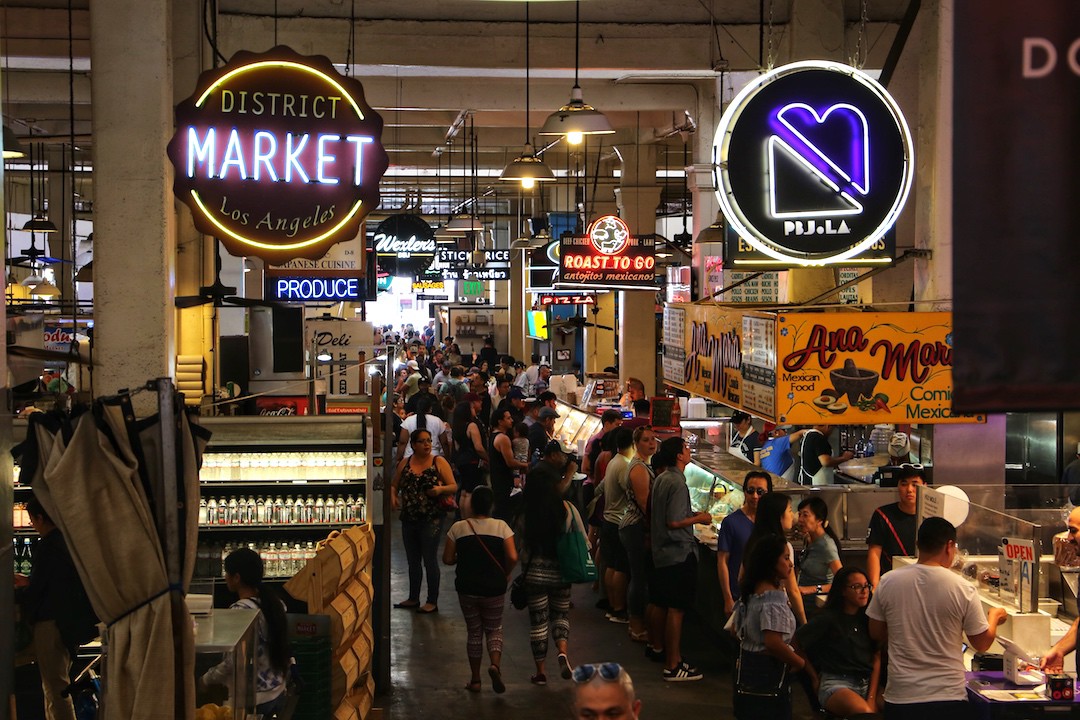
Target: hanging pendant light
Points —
{"points": [[527, 168], [13, 149], [575, 119], [38, 222], [45, 289]]}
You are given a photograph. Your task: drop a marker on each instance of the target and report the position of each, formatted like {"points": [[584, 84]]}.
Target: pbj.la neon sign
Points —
{"points": [[278, 155], [815, 163]]}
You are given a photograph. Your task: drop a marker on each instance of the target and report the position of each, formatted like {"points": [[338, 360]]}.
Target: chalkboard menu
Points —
{"points": [[664, 412]]}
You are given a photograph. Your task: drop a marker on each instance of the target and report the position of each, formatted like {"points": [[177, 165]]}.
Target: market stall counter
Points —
{"points": [[993, 697]]}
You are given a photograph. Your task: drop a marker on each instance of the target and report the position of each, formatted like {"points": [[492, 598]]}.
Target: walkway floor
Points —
{"points": [[429, 668]]}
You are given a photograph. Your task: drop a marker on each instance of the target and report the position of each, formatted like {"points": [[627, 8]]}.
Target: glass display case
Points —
{"points": [[574, 427], [225, 665]]}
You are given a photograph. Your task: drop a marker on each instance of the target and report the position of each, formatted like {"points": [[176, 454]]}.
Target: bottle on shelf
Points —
{"points": [[339, 510], [320, 511], [202, 511], [350, 510], [260, 511], [308, 515]]}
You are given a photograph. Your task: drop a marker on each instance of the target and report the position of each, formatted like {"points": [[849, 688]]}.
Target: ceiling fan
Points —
{"points": [[34, 257], [219, 293], [578, 322]]}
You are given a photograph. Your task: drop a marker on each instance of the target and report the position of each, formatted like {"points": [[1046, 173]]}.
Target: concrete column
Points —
{"points": [[134, 219], [933, 156], [638, 199]]}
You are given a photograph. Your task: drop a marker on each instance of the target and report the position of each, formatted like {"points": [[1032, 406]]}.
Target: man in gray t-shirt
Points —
{"points": [[674, 579]]}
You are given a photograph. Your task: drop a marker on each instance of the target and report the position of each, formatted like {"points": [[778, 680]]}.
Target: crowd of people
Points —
{"points": [[857, 638]]}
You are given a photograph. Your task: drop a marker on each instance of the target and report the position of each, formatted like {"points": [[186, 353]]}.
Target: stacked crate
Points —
{"points": [[337, 583]]}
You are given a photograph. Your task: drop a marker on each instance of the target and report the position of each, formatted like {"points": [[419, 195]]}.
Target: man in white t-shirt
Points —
{"points": [[921, 612]]}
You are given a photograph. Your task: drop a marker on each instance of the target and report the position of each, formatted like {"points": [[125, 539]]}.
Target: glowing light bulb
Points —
{"points": [[528, 183], [575, 138]]}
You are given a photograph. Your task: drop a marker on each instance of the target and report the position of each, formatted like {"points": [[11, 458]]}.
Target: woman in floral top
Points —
{"points": [[420, 482], [243, 576]]}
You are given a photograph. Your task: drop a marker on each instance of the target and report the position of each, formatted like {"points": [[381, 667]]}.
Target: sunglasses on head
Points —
{"points": [[756, 491], [608, 671], [911, 466]]}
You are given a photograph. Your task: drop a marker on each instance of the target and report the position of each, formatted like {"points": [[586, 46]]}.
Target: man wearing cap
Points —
{"points": [[424, 386], [774, 455], [411, 385], [515, 403], [532, 409], [543, 430]]}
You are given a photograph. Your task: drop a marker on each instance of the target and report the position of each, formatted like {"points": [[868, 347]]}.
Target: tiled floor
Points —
{"points": [[429, 668]]}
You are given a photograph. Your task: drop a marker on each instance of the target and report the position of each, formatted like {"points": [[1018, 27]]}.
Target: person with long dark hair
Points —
{"points": [[244, 576], [844, 665], [820, 559], [419, 481], [469, 452], [774, 517], [546, 516], [423, 419], [765, 625], [634, 530]]}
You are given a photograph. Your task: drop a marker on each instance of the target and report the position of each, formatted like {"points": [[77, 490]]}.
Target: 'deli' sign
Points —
{"points": [[278, 155]]}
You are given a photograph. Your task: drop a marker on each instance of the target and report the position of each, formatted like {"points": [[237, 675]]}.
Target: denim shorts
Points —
{"points": [[831, 683]]}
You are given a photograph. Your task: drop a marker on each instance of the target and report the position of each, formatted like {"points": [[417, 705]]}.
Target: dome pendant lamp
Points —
{"points": [[575, 119], [527, 168]]}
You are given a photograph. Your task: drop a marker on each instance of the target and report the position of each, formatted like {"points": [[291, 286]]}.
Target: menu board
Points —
{"points": [[662, 412], [768, 289], [759, 364], [674, 359]]}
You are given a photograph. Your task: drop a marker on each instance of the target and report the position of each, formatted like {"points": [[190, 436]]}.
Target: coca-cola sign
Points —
{"points": [[278, 155], [404, 245]]}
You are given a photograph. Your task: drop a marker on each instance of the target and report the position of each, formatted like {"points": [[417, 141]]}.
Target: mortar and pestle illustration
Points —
{"points": [[853, 381]]}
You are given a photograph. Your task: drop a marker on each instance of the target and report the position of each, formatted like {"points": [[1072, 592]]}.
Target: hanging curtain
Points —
{"points": [[94, 476]]}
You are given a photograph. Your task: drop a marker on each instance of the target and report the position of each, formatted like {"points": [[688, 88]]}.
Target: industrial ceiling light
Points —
{"points": [[45, 289], [463, 224], [32, 280], [575, 119], [527, 168], [714, 233], [13, 149], [39, 223]]}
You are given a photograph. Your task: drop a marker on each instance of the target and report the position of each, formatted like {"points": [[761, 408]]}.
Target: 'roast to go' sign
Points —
{"points": [[278, 155], [865, 368]]}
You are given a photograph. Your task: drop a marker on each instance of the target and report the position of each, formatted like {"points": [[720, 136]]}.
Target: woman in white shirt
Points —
{"points": [[423, 420]]}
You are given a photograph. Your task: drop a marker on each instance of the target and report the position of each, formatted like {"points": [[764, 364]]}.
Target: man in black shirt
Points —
{"points": [[893, 527], [54, 602], [817, 458]]}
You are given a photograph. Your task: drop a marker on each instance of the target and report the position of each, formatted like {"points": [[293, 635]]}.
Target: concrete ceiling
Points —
{"points": [[647, 65]]}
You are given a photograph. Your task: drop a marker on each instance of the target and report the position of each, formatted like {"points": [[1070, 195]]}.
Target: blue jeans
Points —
{"points": [[421, 538]]}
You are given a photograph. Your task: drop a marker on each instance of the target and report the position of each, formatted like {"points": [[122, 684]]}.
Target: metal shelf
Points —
{"points": [[281, 483], [280, 526]]}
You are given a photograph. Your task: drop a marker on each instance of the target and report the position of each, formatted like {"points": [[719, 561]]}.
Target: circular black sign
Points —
{"points": [[404, 245], [815, 163]]}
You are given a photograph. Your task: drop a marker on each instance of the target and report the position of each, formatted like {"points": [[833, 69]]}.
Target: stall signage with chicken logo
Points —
{"points": [[814, 164], [607, 256], [278, 155]]}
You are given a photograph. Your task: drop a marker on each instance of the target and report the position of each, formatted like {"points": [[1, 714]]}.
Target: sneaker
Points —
{"points": [[654, 654], [602, 604], [619, 616], [682, 673], [567, 672]]}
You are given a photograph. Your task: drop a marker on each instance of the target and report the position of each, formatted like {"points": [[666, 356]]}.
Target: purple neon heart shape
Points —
{"points": [[835, 140]]}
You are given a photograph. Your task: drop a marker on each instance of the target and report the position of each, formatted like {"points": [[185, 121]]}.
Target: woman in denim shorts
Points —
{"points": [[843, 663]]}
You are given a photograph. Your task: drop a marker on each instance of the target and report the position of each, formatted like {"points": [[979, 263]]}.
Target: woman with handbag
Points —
{"points": [[422, 489], [764, 624], [483, 550]]}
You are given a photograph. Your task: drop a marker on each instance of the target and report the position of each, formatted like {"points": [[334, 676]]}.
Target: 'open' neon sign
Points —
{"points": [[278, 155]]}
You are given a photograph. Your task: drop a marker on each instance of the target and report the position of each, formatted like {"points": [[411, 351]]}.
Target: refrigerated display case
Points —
{"points": [[575, 426], [279, 485]]}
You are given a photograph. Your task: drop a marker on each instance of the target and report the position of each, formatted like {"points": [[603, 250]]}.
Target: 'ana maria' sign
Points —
{"points": [[815, 163], [278, 155]]}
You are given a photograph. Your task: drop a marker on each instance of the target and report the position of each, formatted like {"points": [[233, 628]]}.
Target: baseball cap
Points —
{"points": [[515, 393], [554, 445], [413, 365], [546, 412]]}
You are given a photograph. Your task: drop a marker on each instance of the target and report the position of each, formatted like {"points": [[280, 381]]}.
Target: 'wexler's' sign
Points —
{"points": [[278, 155], [815, 162], [404, 245]]}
